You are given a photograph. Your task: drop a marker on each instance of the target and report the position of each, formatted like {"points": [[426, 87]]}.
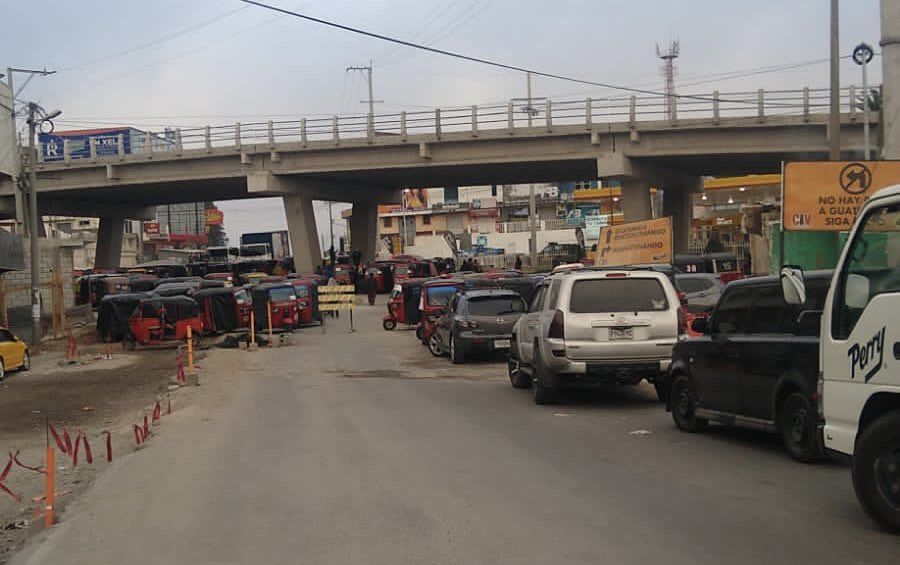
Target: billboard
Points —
{"points": [[107, 142], [7, 133], [635, 243], [826, 195], [214, 217]]}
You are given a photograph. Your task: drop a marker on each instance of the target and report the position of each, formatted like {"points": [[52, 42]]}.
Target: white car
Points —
{"points": [[592, 327]]}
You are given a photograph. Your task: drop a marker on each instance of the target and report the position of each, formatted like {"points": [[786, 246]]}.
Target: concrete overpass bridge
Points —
{"points": [[369, 159]]}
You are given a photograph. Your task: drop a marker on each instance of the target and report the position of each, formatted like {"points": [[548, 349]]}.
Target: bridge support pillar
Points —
{"points": [[636, 199], [363, 229], [109, 242], [301, 221], [678, 203], [890, 71]]}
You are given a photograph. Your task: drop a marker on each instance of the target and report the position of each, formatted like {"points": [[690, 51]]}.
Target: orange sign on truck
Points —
{"points": [[827, 195]]}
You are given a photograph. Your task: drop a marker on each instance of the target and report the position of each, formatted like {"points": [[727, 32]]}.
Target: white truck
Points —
{"points": [[859, 355]]}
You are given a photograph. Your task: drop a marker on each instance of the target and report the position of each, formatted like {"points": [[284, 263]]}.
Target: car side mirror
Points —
{"points": [[809, 322], [792, 285], [856, 293], [700, 325]]}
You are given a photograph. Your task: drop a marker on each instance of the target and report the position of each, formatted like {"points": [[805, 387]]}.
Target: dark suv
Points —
{"points": [[478, 320], [756, 364]]}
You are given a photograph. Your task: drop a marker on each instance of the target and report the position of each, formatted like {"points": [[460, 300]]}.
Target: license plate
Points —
{"points": [[621, 333], [501, 344]]}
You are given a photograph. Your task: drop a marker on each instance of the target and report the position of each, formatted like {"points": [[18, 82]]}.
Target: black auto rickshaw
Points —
{"points": [[113, 314], [403, 305], [142, 282]]}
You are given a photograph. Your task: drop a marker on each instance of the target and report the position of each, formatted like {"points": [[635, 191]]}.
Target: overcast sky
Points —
{"points": [[193, 62]]}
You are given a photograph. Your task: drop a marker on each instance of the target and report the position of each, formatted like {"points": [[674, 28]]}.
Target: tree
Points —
{"points": [[873, 100], [215, 234]]}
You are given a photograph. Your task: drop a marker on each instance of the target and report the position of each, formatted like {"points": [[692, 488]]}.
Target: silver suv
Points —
{"points": [[595, 327]]}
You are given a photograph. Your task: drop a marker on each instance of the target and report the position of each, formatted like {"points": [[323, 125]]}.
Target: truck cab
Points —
{"points": [[859, 384]]}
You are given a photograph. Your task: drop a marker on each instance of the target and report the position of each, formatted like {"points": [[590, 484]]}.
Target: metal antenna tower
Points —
{"points": [[668, 69]]}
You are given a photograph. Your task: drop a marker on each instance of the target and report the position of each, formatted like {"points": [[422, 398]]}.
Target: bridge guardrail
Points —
{"points": [[513, 117]]}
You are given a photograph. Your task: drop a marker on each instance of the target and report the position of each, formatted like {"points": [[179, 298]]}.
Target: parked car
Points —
{"points": [[594, 328], [756, 364], [478, 320], [13, 353], [701, 290]]}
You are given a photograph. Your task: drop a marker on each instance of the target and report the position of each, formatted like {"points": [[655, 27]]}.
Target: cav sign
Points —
{"points": [[107, 144], [827, 195]]}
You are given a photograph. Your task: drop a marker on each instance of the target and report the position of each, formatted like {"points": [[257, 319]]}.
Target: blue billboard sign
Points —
{"points": [[106, 141]]}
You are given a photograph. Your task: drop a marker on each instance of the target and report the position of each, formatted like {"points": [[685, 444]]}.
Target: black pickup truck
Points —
{"points": [[755, 365]]}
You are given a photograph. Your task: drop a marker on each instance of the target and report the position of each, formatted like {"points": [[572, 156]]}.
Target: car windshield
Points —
{"points": [[618, 295], [281, 294], [440, 295], [301, 291], [495, 305]]}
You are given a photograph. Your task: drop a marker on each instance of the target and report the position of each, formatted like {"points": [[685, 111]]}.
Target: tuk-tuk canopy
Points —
{"points": [[176, 288], [276, 292], [114, 311], [176, 307]]}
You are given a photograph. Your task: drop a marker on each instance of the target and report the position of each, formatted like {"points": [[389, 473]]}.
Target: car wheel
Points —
{"points": [[876, 471], [542, 394], [2, 370], [433, 346], [517, 378], [683, 407], [389, 324], [797, 426], [26, 363], [457, 356]]}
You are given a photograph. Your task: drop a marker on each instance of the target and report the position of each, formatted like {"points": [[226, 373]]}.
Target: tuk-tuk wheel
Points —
{"points": [[420, 333], [389, 324]]}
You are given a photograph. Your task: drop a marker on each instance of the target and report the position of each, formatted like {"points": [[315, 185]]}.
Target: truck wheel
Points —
{"points": [[683, 407], [876, 471], [457, 356], [517, 378], [542, 394], [797, 426], [389, 324]]}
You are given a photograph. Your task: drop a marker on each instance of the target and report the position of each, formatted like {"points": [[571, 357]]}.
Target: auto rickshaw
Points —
{"points": [[163, 320], [282, 299], [436, 293], [114, 312], [253, 277], [224, 309], [307, 291], [226, 278], [343, 273], [142, 282], [403, 305], [104, 284]]}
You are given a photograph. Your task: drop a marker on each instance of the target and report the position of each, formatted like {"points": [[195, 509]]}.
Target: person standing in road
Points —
{"points": [[518, 265], [371, 287]]}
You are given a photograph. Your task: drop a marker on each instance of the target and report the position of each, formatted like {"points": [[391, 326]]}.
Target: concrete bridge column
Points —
{"points": [[890, 72], [678, 203], [363, 229], [109, 242], [301, 221], [635, 199]]}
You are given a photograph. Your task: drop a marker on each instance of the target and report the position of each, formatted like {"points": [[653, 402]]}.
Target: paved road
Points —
{"points": [[360, 448]]}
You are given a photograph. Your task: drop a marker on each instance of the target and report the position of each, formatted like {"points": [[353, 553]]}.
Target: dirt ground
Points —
{"points": [[95, 395]]}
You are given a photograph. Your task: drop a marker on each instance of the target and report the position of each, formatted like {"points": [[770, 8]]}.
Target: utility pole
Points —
{"points": [[331, 222], [668, 58], [532, 204], [371, 101], [834, 121]]}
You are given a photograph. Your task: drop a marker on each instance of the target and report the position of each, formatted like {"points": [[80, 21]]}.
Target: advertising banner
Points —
{"points": [[635, 243], [106, 141], [592, 225], [214, 217], [827, 195]]}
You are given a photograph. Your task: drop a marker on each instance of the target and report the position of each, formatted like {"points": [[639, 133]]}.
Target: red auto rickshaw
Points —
{"points": [[436, 293], [224, 309], [403, 304], [227, 278], [164, 320], [343, 273], [307, 291], [282, 299]]}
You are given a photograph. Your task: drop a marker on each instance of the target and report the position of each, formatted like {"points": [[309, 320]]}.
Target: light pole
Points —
{"points": [[37, 117], [862, 55]]}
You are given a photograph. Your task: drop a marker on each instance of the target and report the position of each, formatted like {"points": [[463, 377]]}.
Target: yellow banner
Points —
{"points": [[827, 195], [335, 306], [336, 289], [330, 298], [635, 243]]}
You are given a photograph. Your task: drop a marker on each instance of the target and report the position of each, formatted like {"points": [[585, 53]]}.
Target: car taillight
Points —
{"points": [[557, 326], [682, 322]]}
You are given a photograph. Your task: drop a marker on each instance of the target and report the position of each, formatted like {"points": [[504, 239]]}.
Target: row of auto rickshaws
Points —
{"points": [[419, 302], [162, 310]]}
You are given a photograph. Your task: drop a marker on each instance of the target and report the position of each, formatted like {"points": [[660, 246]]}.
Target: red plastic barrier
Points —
{"points": [[57, 439], [75, 451], [157, 413], [146, 428], [3, 475], [168, 404], [15, 457], [108, 447], [138, 434], [68, 441]]}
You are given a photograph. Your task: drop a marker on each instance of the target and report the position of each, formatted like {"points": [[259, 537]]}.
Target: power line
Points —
{"points": [[470, 58]]}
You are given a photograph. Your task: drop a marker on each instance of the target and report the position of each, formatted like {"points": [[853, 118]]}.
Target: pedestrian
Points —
{"points": [[518, 265], [333, 282], [372, 288]]}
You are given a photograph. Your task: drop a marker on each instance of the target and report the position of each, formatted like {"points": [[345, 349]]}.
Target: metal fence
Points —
{"points": [[711, 108]]}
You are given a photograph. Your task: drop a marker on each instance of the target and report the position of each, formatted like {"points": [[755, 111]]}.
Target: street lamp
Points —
{"points": [[862, 55], [37, 118]]}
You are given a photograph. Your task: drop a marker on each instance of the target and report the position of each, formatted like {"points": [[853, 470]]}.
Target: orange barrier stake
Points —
{"points": [[252, 330], [190, 347], [269, 314], [50, 488]]}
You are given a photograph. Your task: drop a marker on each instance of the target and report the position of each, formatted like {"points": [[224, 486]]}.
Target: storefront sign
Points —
{"points": [[214, 217], [592, 225], [151, 228], [827, 195], [635, 243]]}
